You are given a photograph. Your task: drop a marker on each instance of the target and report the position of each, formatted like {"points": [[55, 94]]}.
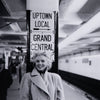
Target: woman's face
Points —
{"points": [[41, 63]]}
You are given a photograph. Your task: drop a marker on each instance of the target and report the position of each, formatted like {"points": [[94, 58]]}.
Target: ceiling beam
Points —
{"points": [[13, 33], [85, 29], [13, 19]]}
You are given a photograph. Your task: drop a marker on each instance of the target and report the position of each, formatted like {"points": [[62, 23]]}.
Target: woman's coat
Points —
{"points": [[33, 87]]}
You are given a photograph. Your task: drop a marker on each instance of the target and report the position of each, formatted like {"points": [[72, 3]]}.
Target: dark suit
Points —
{"points": [[5, 82]]}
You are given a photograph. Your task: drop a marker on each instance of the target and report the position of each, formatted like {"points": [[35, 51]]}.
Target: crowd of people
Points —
{"points": [[16, 69]]}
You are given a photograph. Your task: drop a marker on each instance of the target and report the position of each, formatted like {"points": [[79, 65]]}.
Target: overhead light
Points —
{"points": [[62, 34], [96, 39], [13, 33], [71, 18], [94, 34], [70, 14], [76, 5], [15, 27], [88, 27]]}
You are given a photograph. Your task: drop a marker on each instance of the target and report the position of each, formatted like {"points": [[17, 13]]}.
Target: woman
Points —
{"points": [[41, 84]]}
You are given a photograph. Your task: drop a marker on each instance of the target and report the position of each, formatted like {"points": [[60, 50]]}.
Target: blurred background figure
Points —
{"points": [[5, 80], [12, 67], [21, 68], [13, 63]]}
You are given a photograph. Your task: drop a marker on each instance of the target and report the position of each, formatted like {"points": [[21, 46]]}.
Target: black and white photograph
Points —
{"points": [[49, 49]]}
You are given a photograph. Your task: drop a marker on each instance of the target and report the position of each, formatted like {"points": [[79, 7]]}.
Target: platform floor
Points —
{"points": [[71, 92]]}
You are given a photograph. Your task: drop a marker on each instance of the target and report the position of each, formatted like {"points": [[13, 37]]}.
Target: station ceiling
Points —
{"points": [[79, 25]]}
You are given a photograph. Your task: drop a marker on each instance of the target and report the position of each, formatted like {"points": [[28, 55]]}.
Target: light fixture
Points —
{"points": [[15, 27], [76, 5], [62, 34], [88, 27], [70, 15], [71, 19], [24, 33]]}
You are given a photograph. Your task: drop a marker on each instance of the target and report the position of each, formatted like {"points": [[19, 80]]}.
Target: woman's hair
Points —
{"points": [[49, 61]]}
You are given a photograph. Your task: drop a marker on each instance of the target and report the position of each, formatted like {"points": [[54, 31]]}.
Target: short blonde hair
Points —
{"points": [[45, 55]]}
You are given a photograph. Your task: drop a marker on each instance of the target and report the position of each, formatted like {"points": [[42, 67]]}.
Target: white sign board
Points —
{"points": [[42, 34], [42, 21], [42, 41]]}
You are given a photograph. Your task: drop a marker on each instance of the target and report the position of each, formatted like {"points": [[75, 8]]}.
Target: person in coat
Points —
{"points": [[41, 84], [21, 68], [5, 80]]}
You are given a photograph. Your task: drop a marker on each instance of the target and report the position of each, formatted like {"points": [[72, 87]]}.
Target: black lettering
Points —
{"points": [[41, 24], [35, 37], [42, 47], [42, 38], [36, 15], [48, 16], [38, 37]]}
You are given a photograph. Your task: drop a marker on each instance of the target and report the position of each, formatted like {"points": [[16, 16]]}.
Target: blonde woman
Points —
{"points": [[41, 84]]}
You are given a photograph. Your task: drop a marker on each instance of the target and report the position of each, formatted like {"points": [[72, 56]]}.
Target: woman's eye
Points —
{"points": [[42, 61], [37, 60]]}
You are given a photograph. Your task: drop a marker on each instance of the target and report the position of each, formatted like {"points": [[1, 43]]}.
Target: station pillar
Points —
{"points": [[42, 28]]}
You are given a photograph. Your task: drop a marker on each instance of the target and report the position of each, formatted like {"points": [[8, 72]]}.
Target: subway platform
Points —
{"points": [[71, 92]]}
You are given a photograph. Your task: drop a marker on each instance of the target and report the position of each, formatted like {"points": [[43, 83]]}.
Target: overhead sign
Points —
{"points": [[42, 41], [42, 34], [42, 21]]}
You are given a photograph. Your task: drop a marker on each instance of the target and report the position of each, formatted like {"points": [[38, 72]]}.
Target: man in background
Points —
{"points": [[5, 80]]}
